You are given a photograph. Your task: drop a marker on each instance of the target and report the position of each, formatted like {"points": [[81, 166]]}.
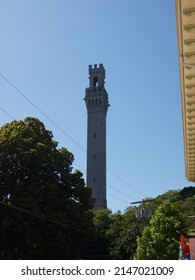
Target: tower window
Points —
{"points": [[94, 156], [94, 179], [95, 81], [94, 135]]}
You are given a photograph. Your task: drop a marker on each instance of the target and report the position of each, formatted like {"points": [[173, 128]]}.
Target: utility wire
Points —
{"points": [[43, 217], [62, 170], [125, 182], [7, 113], [27, 147], [74, 162], [46, 116], [121, 192], [114, 188], [119, 199], [57, 126]]}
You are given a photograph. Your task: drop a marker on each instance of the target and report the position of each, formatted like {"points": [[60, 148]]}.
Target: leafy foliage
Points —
{"points": [[44, 210], [122, 234], [98, 248], [160, 239], [117, 233], [187, 192]]}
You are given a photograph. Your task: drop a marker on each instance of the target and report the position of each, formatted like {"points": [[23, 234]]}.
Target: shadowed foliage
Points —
{"points": [[44, 210]]}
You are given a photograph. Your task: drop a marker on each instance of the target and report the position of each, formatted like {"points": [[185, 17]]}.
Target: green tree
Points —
{"points": [[116, 235], [98, 248], [122, 233], [160, 240], [187, 192], [187, 207], [44, 210]]}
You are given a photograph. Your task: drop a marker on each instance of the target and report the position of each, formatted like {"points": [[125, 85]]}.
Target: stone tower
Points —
{"points": [[96, 99]]}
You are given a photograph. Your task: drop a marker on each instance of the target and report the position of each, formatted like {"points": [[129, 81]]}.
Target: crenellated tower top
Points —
{"points": [[96, 76], [96, 96]]}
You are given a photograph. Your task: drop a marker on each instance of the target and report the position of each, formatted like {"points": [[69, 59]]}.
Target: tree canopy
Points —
{"points": [[123, 236], [160, 240], [45, 208], [44, 205]]}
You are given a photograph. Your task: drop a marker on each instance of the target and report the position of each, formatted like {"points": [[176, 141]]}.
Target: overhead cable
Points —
{"points": [[65, 133]]}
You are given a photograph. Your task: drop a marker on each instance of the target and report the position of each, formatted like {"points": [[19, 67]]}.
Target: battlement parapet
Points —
{"points": [[96, 67]]}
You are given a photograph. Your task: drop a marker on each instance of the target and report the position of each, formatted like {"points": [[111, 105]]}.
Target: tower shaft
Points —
{"points": [[96, 99]]}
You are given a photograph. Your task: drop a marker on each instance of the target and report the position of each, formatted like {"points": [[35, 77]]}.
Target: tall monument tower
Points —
{"points": [[96, 99]]}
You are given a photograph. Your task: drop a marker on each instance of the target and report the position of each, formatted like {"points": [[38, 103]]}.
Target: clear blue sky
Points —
{"points": [[46, 47]]}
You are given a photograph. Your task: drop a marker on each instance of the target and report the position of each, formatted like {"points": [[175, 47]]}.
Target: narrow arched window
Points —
{"points": [[95, 81]]}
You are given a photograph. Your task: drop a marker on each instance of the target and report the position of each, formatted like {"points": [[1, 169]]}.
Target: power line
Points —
{"points": [[119, 191], [79, 166], [43, 217], [74, 163], [7, 113], [27, 146], [125, 182], [111, 186], [65, 133], [46, 116], [119, 199]]}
